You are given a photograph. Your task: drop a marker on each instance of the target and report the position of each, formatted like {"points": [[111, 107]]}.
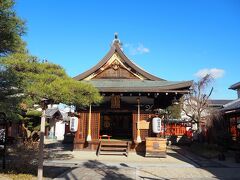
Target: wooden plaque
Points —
{"points": [[143, 124], [115, 102]]}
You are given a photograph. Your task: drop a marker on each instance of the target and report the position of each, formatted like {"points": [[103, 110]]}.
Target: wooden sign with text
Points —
{"points": [[143, 124]]}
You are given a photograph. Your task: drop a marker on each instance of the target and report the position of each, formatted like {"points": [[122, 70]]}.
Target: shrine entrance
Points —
{"points": [[116, 126]]}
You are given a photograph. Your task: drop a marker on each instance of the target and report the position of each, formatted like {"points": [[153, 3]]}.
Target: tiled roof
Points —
{"points": [[218, 102], [233, 105], [235, 86], [51, 112], [123, 85]]}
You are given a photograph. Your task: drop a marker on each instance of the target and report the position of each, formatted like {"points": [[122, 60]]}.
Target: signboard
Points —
{"points": [[143, 124], [2, 136], [3, 139], [73, 124], [3, 130], [115, 102]]}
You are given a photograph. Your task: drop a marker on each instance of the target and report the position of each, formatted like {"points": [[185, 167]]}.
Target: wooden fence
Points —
{"points": [[176, 128]]}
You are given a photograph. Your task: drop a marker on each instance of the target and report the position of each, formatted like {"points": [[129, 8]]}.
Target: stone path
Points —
{"points": [[202, 162], [179, 164], [87, 166], [98, 170]]}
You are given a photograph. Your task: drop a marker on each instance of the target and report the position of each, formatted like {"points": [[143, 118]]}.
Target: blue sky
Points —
{"points": [[172, 39]]}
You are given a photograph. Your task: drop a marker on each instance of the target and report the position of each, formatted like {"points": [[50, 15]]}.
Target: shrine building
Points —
{"points": [[131, 97]]}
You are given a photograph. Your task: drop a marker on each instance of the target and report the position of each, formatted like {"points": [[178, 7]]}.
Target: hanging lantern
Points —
{"points": [[156, 125], [73, 124]]}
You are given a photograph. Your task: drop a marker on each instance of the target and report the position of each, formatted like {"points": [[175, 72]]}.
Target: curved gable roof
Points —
{"points": [[235, 86], [116, 48]]}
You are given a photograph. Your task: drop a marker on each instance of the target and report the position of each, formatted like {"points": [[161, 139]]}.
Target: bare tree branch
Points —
{"points": [[196, 104]]}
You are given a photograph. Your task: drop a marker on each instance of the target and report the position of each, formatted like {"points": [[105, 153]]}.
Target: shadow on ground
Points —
{"points": [[57, 151], [94, 169], [219, 170], [122, 172], [49, 172], [106, 171], [23, 159]]}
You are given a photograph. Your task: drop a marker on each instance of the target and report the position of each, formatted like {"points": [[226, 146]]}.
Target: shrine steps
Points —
{"points": [[113, 148]]}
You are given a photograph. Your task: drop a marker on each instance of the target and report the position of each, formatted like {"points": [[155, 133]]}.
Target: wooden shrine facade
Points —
{"points": [[130, 96]]}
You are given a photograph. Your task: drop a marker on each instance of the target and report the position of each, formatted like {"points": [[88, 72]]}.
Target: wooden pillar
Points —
{"points": [[89, 138], [138, 122], [164, 128]]}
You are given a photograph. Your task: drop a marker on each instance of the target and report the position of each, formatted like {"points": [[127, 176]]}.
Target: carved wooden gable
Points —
{"points": [[115, 68]]}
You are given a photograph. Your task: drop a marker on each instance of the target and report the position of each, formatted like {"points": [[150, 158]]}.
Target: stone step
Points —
{"points": [[112, 153], [114, 144], [113, 149]]}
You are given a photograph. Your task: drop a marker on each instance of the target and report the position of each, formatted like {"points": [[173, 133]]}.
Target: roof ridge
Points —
{"points": [[137, 80], [222, 99], [129, 62], [232, 102]]}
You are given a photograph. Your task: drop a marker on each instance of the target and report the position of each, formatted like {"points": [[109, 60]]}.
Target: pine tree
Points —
{"points": [[12, 28]]}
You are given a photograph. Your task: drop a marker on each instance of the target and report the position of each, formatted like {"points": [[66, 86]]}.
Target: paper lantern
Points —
{"points": [[156, 125], [73, 124]]}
